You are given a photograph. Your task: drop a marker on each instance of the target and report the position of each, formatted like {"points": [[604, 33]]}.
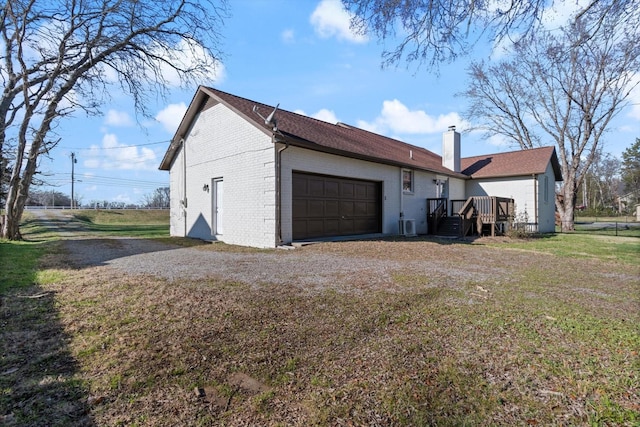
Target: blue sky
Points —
{"points": [[301, 54]]}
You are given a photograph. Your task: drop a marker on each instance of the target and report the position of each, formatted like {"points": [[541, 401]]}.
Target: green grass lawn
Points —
{"points": [[19, 259], [577, 245], [132, 223], [130, 217], [19, 264]]}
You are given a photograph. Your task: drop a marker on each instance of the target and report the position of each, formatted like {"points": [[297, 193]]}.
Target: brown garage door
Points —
{"points": [[327, 206]]}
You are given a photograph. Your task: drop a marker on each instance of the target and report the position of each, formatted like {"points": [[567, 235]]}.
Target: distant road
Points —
{"points": [[608, 224], [58, 221]]}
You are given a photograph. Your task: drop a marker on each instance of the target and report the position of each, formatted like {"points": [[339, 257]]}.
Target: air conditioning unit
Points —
{"points": [[407, 227]]}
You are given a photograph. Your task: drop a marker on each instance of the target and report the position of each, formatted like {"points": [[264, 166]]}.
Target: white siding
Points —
{"points": [[526, 191], [456, 191], [222, 145], [520, 189], [546, 201], [415, 204]]}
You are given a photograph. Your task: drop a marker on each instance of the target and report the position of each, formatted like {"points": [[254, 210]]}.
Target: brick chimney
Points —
{"points": [[451, 149]]}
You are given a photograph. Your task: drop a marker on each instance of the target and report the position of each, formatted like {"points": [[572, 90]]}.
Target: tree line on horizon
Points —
{"points": [[158, 199]]}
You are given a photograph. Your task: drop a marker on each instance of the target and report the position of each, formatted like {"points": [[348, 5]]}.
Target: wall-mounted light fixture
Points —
{"points": [[205, 188]]}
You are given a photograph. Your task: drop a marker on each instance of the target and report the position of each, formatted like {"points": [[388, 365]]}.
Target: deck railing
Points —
{"points": [[436, 210], [488, 210], [497, 212]]}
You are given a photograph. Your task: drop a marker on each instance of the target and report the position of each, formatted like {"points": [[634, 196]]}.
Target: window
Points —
{"points": [[407, 181]]}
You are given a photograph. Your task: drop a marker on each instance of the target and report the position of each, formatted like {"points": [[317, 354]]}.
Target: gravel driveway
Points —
{"points": [[342, 267], [173, 263]]}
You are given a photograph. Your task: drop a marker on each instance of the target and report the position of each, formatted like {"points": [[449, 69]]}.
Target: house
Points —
{"points": [[250, 174], [527, 176]]}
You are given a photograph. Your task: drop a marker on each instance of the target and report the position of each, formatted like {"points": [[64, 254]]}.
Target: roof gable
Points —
{"points": [[514, 163], [307, 132]]}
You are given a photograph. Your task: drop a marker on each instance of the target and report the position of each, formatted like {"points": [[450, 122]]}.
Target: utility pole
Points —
{"points": [[73, 162]]}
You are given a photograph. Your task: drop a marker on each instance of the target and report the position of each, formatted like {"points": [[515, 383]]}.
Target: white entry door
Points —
{"points": [[218, 197]]}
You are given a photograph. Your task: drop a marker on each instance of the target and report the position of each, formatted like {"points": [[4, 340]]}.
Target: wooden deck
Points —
{"points": [[475, 214]]}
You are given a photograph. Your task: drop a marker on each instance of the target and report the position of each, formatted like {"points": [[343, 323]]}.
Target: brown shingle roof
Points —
{"points": [[514, 163], [307, 132], [341, 139]]}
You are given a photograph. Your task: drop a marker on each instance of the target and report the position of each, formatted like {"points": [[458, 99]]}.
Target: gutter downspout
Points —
{"points": [[535, 199], [278, 165], [401, 201], [184, 184]]}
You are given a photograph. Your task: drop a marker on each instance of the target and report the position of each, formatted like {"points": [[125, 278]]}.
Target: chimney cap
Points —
{"points": [[452, 128]]}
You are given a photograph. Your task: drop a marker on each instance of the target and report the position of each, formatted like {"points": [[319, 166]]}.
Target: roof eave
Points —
{"points": [[303, 143], [185, 123], [510, 175]]}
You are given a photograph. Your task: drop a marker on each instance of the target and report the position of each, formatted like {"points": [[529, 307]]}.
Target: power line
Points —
{"points": [[104, 181], [115, 148], [142, 181], [123, 179]]}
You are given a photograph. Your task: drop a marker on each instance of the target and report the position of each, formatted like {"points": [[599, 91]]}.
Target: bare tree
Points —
{"points": [[436, 31], [61, 56], [631, 170], [158, 199], [604, 175], [48, 198], [561, 87]]}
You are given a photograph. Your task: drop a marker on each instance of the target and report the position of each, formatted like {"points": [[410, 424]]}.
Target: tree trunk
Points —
{"points": [[13, 214], [565, 204], [10, 227]]}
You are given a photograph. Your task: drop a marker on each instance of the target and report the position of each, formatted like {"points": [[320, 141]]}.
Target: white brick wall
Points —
{"points": [[176, 191], [223, 145], [413, 204]]}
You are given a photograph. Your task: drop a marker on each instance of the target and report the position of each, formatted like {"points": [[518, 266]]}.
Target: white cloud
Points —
{"points": [[553, 17], [326, 116], [500, 141], [171, 116], [118, 118], [123, 198], [559, 13], [112, 155], [634, 98], [186, 55], [331, 19], [288, 36], [502, 48], [322, 114], [397, 118]]}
